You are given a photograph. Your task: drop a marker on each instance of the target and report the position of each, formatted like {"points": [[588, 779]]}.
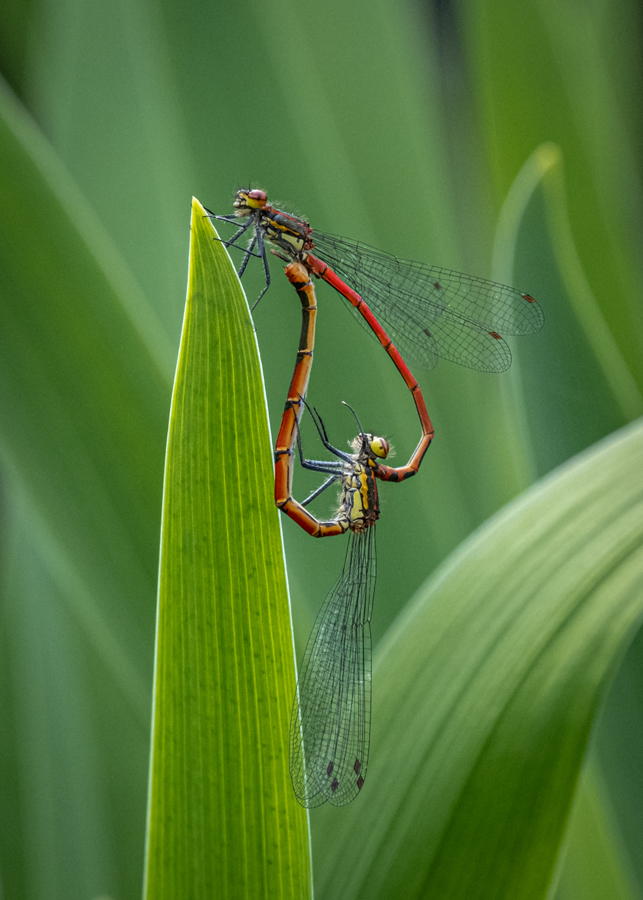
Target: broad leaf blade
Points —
{"points": [[486, 691], [84, 392], [223, 819], [595, 864]]}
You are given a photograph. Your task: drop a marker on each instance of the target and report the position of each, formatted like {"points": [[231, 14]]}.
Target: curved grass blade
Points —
{"points": [[488, 687], [85, 381], [83, 391], [595, 864], [222, 818]]}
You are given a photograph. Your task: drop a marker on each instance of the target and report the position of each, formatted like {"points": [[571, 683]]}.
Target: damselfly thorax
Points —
{"points": [[359, 504]]}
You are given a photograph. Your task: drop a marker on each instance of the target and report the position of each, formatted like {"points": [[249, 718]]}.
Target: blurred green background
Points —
{"points": [[410, 125]]}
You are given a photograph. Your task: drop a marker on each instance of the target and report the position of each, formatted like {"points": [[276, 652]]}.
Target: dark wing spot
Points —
{"points": [[528, 298], [427, 332], [360, 782], [329, 770], [357, 766], [494, 334], [437, 285], [334, 785]]}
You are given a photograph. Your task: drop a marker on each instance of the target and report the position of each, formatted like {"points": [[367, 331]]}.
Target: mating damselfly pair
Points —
{"points": [[430, 312]]}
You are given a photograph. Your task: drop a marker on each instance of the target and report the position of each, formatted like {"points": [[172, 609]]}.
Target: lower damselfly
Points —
{"points": [[299, 277], [331, 718], [330, 724]]}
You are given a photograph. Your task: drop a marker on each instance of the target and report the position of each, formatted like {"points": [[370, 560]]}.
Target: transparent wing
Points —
{"points": [[331, 718], [432, 312]]}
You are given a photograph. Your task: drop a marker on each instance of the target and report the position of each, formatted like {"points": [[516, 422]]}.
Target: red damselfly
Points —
{"points": [[330, 724], [284, 450], [429, 311]]}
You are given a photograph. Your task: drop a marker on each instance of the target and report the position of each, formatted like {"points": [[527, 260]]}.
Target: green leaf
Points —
{"points": [[534, 233], [83, 388], [223, 821], [521, 58], [574, 356], [59, 775], [84, 392], [486, 690], [595, 864], [146, 163]]}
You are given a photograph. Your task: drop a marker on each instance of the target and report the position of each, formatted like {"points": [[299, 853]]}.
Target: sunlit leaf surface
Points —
{"points": [[223, 819]]}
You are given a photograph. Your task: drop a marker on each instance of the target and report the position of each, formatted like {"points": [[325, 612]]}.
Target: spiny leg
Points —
{"points": [[239, 233], [321, 430], [318, 465], [332, 479], [212, 215], [262, 253], [247, 254]]}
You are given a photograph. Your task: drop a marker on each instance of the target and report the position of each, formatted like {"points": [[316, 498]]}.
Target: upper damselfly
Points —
{"points": [[429, 311]]}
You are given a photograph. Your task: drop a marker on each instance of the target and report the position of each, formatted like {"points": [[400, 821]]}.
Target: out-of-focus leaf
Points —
{"points": [[14, 37], [619, 749], [58, 838], [569, 385], [102, 90], [541, 378], [223, 821], [520, 59], [83, 389], [486, 691], [594, 864]]}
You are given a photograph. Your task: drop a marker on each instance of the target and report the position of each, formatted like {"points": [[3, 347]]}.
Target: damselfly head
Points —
{"points": [[369, 446], [380, 446], [246, 201]]}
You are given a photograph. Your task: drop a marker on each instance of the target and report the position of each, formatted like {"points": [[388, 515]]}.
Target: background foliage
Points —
{"points": [[407, 125]]}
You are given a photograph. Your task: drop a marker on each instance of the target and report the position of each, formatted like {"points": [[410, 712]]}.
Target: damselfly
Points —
{"points": [[430, 312], [330, 724], [331, 717], [284, 449]]}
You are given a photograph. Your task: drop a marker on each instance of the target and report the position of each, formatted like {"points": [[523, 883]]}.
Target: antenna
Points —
{"points": [[362, 433]]}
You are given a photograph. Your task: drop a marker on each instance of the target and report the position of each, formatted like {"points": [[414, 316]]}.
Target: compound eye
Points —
{"points": [[380, 447], [257, 199]]}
